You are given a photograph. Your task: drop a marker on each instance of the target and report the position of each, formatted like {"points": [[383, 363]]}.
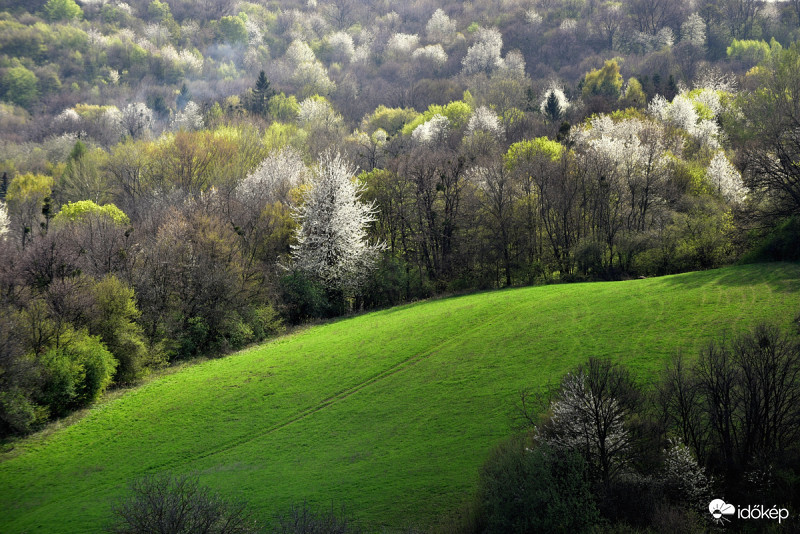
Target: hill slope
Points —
{"points": [[390, 412]]}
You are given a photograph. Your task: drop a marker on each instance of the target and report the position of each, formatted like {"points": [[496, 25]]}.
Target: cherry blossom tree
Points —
{"points": [[440, 28], [725, 179], [332, 243], [589, 416], [434, 130], [484, 119], [4, 222], [484, 55]]}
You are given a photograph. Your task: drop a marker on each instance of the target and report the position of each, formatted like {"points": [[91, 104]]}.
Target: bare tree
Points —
{"points": [[166, 504]]}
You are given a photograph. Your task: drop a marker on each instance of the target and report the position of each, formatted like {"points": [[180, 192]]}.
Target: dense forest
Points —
{"points": [[169, 169]]}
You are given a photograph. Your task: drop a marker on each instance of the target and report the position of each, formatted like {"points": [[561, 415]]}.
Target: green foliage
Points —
{"points": [[541, 147], [527, 488], [458, 112], [18, 415], [114, 321], [159, 11], [303, 298], [634, 94], [279, 135], [62, 10], [390, 120], [750, 51], [606, 81], [75, 373], [266, 322], [284, 108], [781, 244], [26, 197], [20, 86], [77, 211], [231, 29], [83, 177]]}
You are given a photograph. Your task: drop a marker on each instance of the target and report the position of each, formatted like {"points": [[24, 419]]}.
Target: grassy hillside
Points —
{"points": [[390, 412]]}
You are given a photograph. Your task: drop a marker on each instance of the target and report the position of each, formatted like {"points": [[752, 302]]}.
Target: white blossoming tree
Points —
{"points": [[685, 477], [137, 120], [694, 30], [484, 119], [589, 416], [401, 45], [332, 244], [432, 54], [272, 180], [432, 131], [484, 55], [342, 47], [725, 179], [4, 221], [440, 28], [190, 118]]}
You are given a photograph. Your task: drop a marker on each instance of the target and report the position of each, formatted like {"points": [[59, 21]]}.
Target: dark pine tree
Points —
{"points": [[261, 95], [552, 108]]}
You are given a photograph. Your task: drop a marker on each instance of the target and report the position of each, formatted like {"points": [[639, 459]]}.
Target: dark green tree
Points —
{"points": [[263, 91], [552, 108]]}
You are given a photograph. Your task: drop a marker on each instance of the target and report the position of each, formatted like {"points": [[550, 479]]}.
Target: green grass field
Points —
{"points": [[390, 413]]}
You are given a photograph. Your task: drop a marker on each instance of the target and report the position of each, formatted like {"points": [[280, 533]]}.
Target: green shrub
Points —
{"points": [[526, 488], [76, 373], [266, 322], [781, 244], [303, 299]]}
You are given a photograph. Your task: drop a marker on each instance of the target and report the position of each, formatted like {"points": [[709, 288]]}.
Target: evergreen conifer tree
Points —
{"points": [[261, 95]]}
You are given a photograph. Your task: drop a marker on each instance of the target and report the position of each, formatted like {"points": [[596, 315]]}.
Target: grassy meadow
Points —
{"points": [[390, 413]]}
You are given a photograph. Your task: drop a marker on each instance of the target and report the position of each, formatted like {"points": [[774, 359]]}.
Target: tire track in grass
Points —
{"points": [[311, 410], [189, 459]]}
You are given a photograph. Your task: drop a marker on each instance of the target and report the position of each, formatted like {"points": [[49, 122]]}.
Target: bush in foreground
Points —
{"points": [[535, 489], [166, 504]]}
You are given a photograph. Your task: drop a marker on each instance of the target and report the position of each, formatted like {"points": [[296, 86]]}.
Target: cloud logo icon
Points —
{"points": [[720, 508]]}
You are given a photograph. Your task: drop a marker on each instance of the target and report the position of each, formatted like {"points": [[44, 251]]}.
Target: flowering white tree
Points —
{"points": [[725, 178], [484, 55], [589, 416], [137, 119], [342, 47], [484, 119], [440, 28], [332, 243], [682, 112], [694, 30], [684, 476], [433, 54], [533, 18], [4, 221], [434, 130], [189, 118], [272, 180], [401, 45], [307, 72]]}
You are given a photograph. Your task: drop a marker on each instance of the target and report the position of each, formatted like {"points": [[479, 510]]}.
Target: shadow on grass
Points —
{"points": [[780, 277]]}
